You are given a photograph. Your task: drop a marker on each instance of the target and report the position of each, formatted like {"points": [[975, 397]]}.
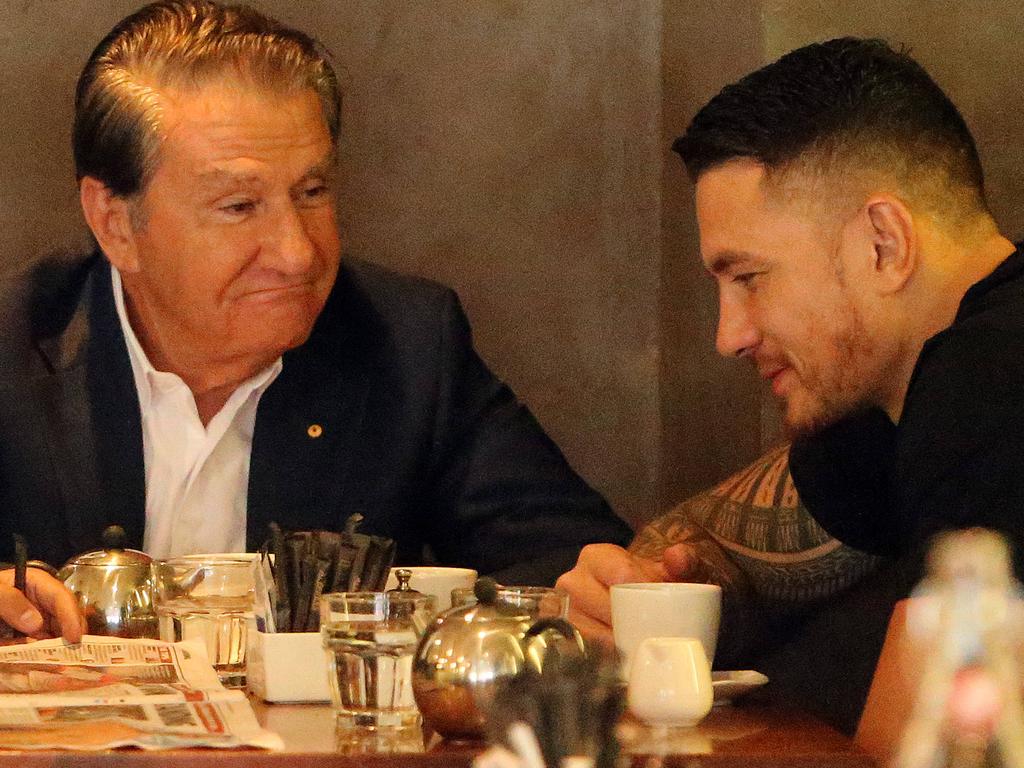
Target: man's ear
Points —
{"points": [[893, 240], [110, 219]]}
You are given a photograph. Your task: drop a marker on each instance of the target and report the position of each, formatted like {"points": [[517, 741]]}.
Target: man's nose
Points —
{"points": [[288, 247], [737, 333]]}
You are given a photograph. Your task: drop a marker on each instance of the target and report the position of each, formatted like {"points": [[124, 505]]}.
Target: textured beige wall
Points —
{"points": [[518, 150]]}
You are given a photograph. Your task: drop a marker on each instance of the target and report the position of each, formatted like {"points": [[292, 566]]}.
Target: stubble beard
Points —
{"points": [[840, 388]]}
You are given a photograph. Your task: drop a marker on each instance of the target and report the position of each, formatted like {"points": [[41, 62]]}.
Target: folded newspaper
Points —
{"points": [[108, 692]]}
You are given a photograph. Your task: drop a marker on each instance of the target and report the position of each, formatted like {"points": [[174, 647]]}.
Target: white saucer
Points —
{"points": [[732, 685]]}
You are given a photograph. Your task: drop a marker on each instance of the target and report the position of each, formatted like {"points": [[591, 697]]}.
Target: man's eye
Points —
{"points": [[315, 193], [745, 278], [238, 207]]}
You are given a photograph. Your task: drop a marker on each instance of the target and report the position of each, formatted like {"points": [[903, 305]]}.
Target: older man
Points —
{"points": [[842, 211], [216, 365]]}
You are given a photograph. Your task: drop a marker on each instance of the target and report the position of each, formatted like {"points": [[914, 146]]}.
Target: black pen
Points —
{"points": [[20, 561]]}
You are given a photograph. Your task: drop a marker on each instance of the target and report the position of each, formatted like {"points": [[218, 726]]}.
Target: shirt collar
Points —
{"points": [[975, 298], [146, 376]]}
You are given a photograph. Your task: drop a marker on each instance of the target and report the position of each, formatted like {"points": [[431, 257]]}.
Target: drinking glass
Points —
{"points": [[535, 602], [208, 599], [369, 641]]}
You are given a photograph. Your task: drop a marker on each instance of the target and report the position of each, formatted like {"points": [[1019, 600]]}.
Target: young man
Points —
{"points": [[842, 211]]}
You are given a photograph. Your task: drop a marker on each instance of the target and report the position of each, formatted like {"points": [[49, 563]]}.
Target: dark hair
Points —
{"points": [[184, 43], [852, 102]]}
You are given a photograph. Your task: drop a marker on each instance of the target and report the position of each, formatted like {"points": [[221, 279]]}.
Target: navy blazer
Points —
{"points": [[417, 434]]}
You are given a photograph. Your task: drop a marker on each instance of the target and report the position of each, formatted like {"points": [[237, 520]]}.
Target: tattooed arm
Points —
{"points": [[750, 534]]}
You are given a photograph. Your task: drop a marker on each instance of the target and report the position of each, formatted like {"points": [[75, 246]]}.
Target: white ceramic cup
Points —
{"points": [[435, 580], [668, 609], [670, 681]]}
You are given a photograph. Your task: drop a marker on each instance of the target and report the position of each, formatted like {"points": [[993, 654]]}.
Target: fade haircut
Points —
{"points": [[844, 110], [183, 44]]}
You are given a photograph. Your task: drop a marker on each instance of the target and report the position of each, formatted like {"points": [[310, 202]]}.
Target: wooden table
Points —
{"points": [[750, 737]]}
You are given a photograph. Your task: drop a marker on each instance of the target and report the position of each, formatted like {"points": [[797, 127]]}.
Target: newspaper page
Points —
{"points": [[108, 692]]}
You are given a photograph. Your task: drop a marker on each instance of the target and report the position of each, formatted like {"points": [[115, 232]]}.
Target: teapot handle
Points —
{"points": [[561, 626], [32, 564]]}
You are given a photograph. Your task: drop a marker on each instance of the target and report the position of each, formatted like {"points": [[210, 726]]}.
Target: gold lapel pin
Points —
{"points": [[314, 431]]}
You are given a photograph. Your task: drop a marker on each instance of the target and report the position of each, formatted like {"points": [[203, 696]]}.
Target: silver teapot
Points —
{"points": [[468, 651], [114, 587]]}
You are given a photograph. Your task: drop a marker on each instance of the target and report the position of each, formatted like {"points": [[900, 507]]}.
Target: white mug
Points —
{"points": [[438, 581], [666, 609], [670, 681]]}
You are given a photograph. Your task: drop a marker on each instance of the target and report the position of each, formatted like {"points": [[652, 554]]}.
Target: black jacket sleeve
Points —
{"points": [[505, 500]]}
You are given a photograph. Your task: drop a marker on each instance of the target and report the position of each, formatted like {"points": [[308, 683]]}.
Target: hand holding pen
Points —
{"points": [[36, 604]]}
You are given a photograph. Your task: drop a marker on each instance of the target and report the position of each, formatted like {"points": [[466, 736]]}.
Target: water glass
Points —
{"points": [[369, 640], [379, 741], [535, 602], [208, 598]]}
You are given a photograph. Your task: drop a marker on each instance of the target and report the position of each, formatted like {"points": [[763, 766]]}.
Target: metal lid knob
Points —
{"points": [[403, 575], [114, 537]]}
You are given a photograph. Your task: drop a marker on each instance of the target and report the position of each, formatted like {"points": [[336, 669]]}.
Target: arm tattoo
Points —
{"points": [[751, 533]]}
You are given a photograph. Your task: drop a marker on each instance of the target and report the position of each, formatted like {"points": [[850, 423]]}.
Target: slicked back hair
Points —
{"points": [[846, 106], [183, 44]]}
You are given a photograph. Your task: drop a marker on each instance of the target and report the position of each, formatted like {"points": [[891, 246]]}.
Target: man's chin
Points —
{"points": [[797, 430], [806, 422], [273, 341], [808, 419]]}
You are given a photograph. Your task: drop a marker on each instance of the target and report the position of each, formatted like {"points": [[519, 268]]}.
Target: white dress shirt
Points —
{"points": [[197, 478]]}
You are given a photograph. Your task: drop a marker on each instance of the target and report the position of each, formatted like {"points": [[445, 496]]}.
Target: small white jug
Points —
{"points": [[670, 681]]}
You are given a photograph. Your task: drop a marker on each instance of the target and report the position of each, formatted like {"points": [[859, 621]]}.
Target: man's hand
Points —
{"points": [[602, 565], [46, 609]]}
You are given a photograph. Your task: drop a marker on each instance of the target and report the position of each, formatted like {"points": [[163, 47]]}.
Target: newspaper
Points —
{"points": [[110, 692]]}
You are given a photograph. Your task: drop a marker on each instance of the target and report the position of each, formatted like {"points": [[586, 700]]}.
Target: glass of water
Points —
{"points": [[369, 640], [207, 598], [535, 602]]}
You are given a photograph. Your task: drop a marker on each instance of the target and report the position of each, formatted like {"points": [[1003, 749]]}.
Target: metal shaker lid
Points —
{"points": [[403, 575]]}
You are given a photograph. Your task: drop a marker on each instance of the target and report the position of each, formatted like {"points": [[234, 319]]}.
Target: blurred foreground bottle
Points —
{"points": [[964, 623]]}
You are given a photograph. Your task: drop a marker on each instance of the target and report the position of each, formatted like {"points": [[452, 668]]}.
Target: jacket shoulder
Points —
{"points": [[385, 287], [39, 299], [383, 303]]}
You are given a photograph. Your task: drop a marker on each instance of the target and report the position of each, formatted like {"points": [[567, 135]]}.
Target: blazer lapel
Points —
{"points": [[96, 432], [308, 424], [306, 427]]}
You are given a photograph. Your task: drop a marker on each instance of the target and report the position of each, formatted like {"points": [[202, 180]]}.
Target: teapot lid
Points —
{"points": [[114, 552], [489, 606]]}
